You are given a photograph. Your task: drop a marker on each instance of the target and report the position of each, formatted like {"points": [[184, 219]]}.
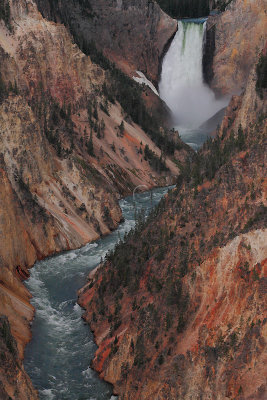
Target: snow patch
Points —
{"points": [[119, 4], [142, 79]]}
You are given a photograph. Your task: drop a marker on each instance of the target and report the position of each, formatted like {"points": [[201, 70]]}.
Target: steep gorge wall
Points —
{"points": [[183, 300], [55, 192], [131, 33], [178, 311], [235, 39]]}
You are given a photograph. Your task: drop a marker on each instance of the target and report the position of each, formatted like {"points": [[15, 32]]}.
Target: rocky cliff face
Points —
{"points": [[64, 161], [14, 382], [236, 37], [131, 33], [178, 311], [184, 317]]}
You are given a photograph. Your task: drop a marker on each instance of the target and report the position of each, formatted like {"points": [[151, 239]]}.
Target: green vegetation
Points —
{"points": [[5, 13], [260, 216], [7, 337], [222, 4], [219, 150], [157, 163], [56, 121], [91, 173], [185, 8], [118, 87], [128, 93], [30, 201], [90, 146], [3, 89], [261, 71], [127, 263], [86, 8], [121, 129]]}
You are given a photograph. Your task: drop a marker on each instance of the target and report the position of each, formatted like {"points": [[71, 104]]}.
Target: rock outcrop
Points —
{"points": [[183, 300], [131, 33], [65, 156], [14, 382], [178, 310], [236, 38]]}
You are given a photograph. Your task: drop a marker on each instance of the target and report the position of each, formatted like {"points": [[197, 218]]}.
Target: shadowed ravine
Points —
{"points": [[59, 355]]}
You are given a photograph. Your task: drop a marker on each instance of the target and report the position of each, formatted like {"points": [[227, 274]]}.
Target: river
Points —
{"points": [[59, 355]]}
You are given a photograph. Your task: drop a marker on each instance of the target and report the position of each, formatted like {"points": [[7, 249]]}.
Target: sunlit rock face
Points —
{"points": [[239, 36], [188, 321], [189, 318], [54, 195]]}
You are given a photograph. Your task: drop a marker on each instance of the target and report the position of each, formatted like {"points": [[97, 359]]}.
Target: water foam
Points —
{"points": [[182, 86], [58, 357]]}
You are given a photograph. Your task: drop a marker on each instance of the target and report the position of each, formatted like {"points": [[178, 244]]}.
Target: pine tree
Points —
{"points": [[3, 91], [89, 112], [102, 128], [90, 145], [121, 129], [240, 138]]}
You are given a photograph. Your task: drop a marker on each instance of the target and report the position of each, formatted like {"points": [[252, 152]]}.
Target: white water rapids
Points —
{"points": [[58, 357], [182, 86]]}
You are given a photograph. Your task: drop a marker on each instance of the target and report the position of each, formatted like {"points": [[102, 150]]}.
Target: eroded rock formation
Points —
{"points": [[131, 33], [179, 310], [65, 157], [236, 38]]}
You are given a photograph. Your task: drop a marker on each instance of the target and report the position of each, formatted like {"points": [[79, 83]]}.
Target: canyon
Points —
{"points": [[230, 55], [178, 310], [133, 34], [64, 161]]}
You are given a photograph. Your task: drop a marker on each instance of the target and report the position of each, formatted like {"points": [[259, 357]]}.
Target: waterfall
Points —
{"points": [[182, 86]]}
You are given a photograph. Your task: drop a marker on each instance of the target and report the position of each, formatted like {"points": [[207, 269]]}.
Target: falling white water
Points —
{"points": [[182, 86]]}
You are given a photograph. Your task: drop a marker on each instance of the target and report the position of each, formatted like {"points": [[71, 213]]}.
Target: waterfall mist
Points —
{"points": [[182, 86]]}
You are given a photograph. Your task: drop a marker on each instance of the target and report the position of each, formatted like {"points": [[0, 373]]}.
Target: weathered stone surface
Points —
{"points": [[240, 34], [190, 320], [14, 382], [209, 342], [132, 33], [54, 195]]}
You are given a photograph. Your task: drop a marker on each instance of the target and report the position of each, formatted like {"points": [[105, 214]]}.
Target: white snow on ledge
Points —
{"points": [[142, 79]]}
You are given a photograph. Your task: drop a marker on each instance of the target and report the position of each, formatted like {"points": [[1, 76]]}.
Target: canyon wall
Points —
{"points": [[131, 33], [14, 382], [235, 39], [65, 160], [179, 310]]}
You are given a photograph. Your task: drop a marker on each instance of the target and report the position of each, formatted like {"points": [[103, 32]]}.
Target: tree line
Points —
{"points": [[185, 8]]}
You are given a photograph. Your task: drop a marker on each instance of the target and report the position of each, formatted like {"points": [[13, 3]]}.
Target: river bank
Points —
{"points": [[58, 357]]}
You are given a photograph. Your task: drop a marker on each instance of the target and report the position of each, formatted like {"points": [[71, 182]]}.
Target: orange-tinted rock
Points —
{"points": [[240, 34], [54, 195], [191, 314]]}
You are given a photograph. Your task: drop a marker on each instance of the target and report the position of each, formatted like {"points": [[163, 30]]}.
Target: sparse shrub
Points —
{"points": [[5, 13], [261, 70]]}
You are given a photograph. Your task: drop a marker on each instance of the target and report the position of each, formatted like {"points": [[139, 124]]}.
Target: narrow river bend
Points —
{"points": [[58, 357]]}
